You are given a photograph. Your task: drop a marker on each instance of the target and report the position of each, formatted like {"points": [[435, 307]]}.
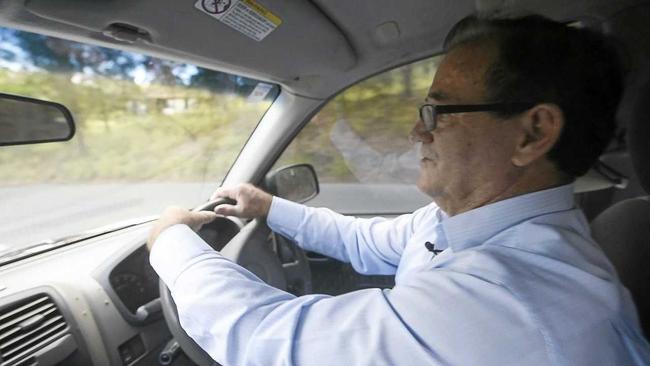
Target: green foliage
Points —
{"points": [[127, 132]]}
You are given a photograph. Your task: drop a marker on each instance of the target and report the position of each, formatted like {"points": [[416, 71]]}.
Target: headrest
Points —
{"points": [[638, 134]]}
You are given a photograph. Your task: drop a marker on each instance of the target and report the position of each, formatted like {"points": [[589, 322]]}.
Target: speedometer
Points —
{"points": [[130, 288]]}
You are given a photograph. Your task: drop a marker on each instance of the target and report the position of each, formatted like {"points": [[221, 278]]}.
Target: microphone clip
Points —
{"points": [[432, 248]]}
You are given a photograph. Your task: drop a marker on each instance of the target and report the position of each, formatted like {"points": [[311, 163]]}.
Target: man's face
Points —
{"points": [[468, 155]]}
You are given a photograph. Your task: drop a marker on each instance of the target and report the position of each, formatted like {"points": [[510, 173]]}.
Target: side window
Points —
{"points": [[359, 141]]}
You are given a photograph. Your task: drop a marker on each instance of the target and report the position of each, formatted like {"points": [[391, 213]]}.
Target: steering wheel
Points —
{"points": [[249, 248]]}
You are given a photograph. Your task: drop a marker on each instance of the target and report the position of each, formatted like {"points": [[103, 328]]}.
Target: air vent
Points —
{"points": [[26, 327]]}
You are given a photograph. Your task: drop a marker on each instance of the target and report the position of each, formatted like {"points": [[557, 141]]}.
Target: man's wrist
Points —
{"points": [[176, 247], [285, 215], [266, 205], [157, 231]]}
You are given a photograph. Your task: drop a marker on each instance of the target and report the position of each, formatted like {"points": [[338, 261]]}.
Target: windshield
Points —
{"points": [[150, 133]]}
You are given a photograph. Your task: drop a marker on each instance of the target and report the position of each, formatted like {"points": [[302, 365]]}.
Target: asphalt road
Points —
{"points": [[33, 213], [30, 214]]}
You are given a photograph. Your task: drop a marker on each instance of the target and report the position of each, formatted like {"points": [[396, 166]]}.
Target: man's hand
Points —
{"points": [[177, 215], [252, 202]]}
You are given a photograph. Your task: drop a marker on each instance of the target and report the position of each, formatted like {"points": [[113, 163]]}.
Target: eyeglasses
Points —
{"points": [[430, 112]]}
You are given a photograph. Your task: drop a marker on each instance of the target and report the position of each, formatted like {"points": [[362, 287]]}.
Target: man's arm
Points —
{"points": [[372, 246], [239, 320]]}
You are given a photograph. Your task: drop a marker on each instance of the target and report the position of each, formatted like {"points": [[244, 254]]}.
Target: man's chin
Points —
{"points": [[424, 185]]}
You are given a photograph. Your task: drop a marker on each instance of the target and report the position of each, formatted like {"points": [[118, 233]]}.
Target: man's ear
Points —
{"points": [[540, 129]]}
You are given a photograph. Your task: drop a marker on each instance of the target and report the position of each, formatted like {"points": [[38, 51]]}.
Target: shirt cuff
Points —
{"points": [[285, 216], [174, 250]]}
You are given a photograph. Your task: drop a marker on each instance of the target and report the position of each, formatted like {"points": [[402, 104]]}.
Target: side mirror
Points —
{"points": [[30, 121], [296, 183]]}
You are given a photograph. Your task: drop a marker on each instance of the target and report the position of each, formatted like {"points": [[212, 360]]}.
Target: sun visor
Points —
{"points": [[283, 40]]}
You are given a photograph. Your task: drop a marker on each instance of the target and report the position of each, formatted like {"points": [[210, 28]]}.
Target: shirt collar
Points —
{"points": [[474, 227]]}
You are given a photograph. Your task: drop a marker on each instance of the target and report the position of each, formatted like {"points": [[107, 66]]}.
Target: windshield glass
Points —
{"points": [[150, 133]]}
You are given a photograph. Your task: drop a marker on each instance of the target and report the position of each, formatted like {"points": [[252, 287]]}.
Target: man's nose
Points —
{"points": [[419, 133]]}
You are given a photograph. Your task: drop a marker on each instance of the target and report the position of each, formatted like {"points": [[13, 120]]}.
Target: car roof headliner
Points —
{"points": [[320, 47]]}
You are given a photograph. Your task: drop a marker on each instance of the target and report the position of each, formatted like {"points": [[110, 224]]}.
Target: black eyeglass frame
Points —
{"points": [[430, 121]]}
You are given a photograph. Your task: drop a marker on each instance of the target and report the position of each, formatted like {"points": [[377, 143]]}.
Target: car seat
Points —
{"points": [[623, 230]]}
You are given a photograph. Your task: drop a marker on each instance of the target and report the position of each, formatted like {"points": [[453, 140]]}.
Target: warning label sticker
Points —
{"points": [[245, 16]]}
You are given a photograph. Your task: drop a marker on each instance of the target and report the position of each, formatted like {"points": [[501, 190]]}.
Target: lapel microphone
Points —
{"points": [[432, 247]]}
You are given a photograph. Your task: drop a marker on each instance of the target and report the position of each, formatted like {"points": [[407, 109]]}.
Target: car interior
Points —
{"points": [[95, 300]]}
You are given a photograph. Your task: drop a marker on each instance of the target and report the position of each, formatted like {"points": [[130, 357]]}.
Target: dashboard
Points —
{"points": [[92, 303]]}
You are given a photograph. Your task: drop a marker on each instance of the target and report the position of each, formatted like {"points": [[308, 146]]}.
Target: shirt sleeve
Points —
{"points": [[240, 320], [372, 246]]}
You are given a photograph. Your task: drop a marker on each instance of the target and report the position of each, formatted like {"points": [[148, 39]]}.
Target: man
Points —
{"points": [[517, 109]]}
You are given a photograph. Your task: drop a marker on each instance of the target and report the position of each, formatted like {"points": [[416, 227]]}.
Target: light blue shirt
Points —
{"points": [[519, 282]]}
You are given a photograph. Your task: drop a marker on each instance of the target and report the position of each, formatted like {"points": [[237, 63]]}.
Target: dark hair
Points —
{"points": [[543, 61]]}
